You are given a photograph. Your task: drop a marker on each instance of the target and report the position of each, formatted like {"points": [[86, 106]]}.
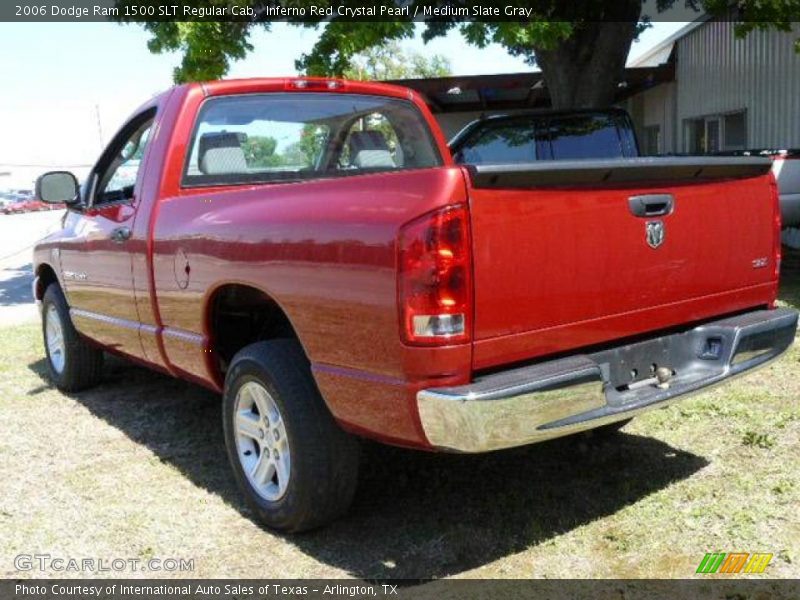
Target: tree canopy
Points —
{"points": [[391, 61], [581, 45]]}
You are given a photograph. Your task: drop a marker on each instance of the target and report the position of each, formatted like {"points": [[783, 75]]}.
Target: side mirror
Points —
{"points": [[56, 187]]}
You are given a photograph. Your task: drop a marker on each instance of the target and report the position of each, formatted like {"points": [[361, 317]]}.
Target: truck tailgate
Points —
{"points": [[575, 253]]}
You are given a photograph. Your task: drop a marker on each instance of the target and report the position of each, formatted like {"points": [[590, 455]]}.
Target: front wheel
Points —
{"points": [[298, 470], [73, 364]]}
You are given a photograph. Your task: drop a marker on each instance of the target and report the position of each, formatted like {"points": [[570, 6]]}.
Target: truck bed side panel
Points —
{"points": [[325, 252]]}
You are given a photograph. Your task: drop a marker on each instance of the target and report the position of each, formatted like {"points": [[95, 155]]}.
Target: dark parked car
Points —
{"points": [[546, 135]]}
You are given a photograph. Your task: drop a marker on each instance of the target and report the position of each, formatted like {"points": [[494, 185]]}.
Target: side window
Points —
{"points": [[513, 142], [119, 166], [259, 138]]}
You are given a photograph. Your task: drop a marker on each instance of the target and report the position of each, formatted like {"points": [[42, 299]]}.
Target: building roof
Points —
{"points": [[661, 53], [507, 91], [516, 90]]}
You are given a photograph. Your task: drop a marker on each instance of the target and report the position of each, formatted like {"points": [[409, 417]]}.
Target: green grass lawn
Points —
{"points": [[136, 468]]}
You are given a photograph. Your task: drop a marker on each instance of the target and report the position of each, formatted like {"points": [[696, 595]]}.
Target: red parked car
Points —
{"points": [[36, 206], [14, 206], [30, 205], [309, 249]]}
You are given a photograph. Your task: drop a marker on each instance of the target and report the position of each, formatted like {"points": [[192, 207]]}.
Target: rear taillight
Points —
{"points": [[435, 278]]}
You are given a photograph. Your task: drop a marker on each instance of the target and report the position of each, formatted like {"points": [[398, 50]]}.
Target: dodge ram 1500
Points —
{"points": [[310, 249]]}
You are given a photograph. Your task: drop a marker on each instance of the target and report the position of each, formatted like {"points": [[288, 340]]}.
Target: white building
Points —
{"points": [[728, 93]]}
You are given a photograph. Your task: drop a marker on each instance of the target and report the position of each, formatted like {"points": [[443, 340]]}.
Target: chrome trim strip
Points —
{"points": [[77, 313], [146, 328], [184, 336]]}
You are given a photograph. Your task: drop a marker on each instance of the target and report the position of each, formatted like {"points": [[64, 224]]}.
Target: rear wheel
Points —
{"points": [[73, 364], [298, 470]]}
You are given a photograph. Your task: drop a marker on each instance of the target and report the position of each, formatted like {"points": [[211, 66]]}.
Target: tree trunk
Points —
{"points": [[585, 70]]}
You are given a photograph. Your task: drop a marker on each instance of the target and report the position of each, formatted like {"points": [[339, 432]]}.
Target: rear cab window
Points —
{"points": [[539, 137], [273, 137]]}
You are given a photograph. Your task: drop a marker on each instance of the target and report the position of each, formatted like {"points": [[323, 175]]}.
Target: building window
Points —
{"points": [[695, 136], [712, 135], [735, 128], [652, 140], [715, 133]]}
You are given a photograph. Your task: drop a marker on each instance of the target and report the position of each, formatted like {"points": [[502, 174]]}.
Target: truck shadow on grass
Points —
{"points": [[416, 515]]}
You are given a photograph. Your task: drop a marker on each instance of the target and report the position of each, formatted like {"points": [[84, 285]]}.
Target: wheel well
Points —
{"points": [[240, 315], [46, 275]]}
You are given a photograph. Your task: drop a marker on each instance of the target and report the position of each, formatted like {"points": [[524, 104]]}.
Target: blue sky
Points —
{"points": [[58, 77]]}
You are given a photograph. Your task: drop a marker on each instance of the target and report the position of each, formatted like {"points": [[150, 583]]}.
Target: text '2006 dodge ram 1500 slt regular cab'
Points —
{"points": [[310, 249]]}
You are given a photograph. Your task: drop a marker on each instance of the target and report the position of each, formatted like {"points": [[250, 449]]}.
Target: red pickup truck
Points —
{"points": [[309, 249]]}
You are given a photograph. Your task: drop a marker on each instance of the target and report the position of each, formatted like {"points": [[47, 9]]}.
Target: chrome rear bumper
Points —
{"points": [[559, 397]]}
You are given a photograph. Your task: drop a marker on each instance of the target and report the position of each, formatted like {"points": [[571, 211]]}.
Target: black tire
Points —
{"points": [[324, 459], [82, 363]]}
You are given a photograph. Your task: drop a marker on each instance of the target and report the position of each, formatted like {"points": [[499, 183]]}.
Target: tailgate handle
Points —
{"points": [[651, 205]]}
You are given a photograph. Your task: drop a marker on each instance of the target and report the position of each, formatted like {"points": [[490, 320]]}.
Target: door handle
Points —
{"points": [[651, 205], [121, 234]]}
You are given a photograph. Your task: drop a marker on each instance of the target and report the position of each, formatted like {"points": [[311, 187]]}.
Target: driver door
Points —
{"points": [[96, 260]]}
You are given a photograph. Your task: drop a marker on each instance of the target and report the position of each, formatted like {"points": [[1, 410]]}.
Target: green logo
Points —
{"points": [[733, 562]]}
